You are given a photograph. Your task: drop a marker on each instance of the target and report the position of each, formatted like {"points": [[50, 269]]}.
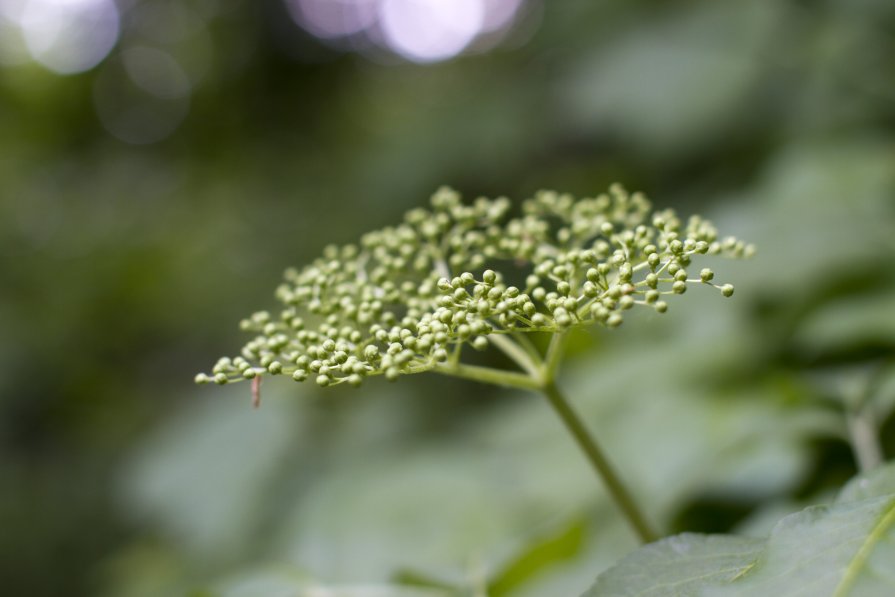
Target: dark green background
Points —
{"points": [[126, 268]]}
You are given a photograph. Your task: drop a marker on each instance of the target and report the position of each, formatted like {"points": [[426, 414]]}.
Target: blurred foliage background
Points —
{"points": [[164, 160]]}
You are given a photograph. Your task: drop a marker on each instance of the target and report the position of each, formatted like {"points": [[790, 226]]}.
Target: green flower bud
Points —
{"points": [[727, 290], [562, 319], [560, 271], [599, 312], [383, 306]]}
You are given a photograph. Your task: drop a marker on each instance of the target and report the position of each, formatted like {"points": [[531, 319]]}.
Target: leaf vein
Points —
{"points": [[860, 559]]}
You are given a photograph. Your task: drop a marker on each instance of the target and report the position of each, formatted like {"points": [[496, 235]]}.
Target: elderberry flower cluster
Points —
{"points": [[408, 298]]}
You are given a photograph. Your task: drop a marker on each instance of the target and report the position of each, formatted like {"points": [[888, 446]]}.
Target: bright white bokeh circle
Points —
{"points": [[69, 36], [430, 30]]}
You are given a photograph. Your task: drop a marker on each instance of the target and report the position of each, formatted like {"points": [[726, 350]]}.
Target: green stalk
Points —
{"points": [[865, 443], [600, 463], [515, 351], [507, 379], [540, 378], [553, 356]]}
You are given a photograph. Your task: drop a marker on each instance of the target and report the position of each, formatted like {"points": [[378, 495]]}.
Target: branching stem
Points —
{"points": [[515, 351], [506, 379], [528, 346], [540, 379], [554, 354]]}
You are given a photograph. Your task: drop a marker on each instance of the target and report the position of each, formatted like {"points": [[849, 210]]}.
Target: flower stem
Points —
{"points": [[865, 443], [507, 379], [598, 460], [541, 380], [515, 351]]}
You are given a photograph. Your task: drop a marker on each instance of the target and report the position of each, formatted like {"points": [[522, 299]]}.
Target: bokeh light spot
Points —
{"points": [[417, 30], [155, 72], [333, 18], [70, 36], [12, 44], [499, 14], [143, 97], [430, 30]]}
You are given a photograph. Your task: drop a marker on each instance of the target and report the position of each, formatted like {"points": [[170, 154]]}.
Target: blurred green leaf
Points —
{"points": [[839, 550], [679, 566], [202, 478], [284, 582], [538, 555], [848, 324], [670, 84]]}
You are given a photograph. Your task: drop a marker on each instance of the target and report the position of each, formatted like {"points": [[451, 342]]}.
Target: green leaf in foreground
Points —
{"points": [[846, 549], [283, 581]]}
